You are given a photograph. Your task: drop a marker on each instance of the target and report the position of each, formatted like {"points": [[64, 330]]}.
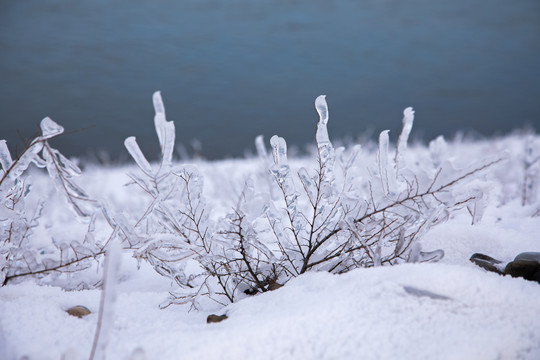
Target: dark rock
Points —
{"points": [[525, 265], [523, 268], [529, 256], [486, 262], [536, 277], [78, 311], [478, 256], [215, 318]]}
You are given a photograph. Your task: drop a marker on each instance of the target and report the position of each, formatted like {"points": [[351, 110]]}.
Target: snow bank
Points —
{"points": [[412, 311]]}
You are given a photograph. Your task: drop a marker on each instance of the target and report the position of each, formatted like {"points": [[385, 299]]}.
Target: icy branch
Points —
{"points": [[408, 118]]}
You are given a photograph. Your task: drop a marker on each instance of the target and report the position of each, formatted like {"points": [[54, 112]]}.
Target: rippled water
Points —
{"points": [[230, 70]]}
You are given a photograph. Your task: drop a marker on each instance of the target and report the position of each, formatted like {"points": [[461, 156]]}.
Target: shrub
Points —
{"points": [[330, 218]]}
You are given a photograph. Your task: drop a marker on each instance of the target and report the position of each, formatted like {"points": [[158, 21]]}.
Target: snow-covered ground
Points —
{"points": [[446, 310]]}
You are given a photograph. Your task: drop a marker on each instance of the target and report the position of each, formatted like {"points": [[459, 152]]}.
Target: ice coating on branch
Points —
{"points": [[322, 131], [50, 129], [322, 108], [382, 159], [282, 172], [279, 150], [29, 156], [408, 118], [266, 162], [159, 108], [165, 129], [307, 184], [326, 150], [137, 155], [68, 167], [61, 171], [5, 156]]}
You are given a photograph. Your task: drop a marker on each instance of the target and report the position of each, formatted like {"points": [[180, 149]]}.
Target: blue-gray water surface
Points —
{"points": [[232, 69]]}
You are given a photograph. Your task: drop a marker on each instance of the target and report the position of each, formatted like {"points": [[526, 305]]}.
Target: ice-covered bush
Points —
{"points": [[333, 217], [20, 257], [342, 210]]}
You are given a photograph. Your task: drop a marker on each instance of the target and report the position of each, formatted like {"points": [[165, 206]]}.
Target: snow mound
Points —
{"points": [[411, 311]]}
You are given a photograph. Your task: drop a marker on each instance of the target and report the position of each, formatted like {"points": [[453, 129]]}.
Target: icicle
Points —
{"points": [[165, 130], [137, 155], [5, 156], [324, 145], [279, 147], [158, 103], [382, 160], [306, 182], [265, 164], [408, 118], [282, 172], [326, 150], [50, 129], [322, 109]]}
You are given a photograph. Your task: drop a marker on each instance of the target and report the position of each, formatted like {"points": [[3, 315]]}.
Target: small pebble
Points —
{"points": [[215, 318], [78, 311]]}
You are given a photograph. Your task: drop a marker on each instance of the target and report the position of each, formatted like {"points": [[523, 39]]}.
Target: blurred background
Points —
{"points": [[230, 70]]}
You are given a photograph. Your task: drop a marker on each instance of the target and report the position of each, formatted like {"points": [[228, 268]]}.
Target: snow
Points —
{"points": [[446, 310], [367, 313]]}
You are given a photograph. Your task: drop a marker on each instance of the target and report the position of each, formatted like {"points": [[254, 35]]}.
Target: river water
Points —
{"points": [[232, 69]]}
